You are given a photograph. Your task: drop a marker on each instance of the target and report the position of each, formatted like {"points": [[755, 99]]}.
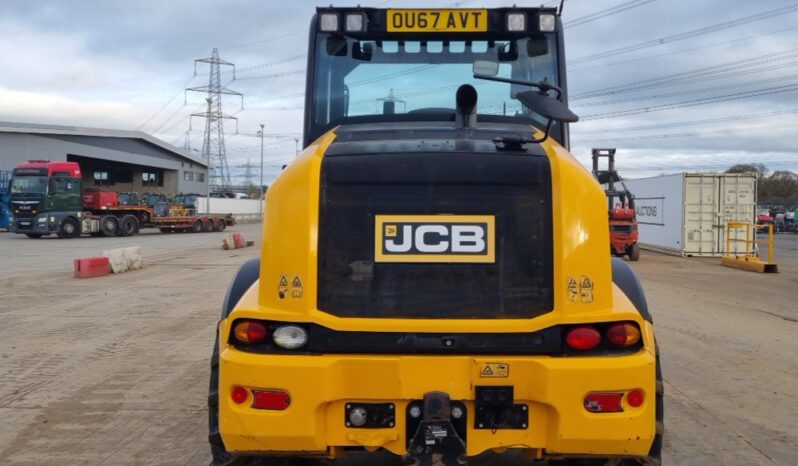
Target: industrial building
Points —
{"points": [[115, 160]]}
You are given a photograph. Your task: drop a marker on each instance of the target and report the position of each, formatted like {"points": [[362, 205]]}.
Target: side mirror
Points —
{"points": [[547, 106], [486, 67]]}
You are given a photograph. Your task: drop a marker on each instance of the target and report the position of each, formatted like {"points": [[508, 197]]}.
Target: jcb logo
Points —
{"points": [[434, 238]]}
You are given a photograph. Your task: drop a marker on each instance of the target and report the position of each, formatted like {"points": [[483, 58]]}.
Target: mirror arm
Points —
{"points": [[546, 133], [540, 85]]}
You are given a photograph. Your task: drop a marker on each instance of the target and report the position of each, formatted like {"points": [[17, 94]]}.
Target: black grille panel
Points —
{"points": [[516, 189]]}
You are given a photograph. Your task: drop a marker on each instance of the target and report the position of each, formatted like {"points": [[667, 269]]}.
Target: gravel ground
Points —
{"points": [[113, 370]]}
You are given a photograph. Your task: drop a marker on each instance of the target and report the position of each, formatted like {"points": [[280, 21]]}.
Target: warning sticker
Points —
{"points": [[580, 289], [573, 290], [282, 287], [586, 289], [296, 287], [495, 370]]}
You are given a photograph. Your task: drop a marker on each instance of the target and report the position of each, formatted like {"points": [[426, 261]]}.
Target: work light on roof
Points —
{"points": [[328, 22], [547, 22], [355, 22], [516, 22]]}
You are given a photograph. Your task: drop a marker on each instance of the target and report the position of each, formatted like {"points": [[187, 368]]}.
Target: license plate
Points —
{"points": [[25, 224], [437, 20]]}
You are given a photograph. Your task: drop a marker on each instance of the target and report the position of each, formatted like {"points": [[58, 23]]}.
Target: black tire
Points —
{"points": [[218, 224], [197, 227], [33, 235], [207, 225], [69, 228], [128, 226], [247, 274], [655, 455], [627, 281], [109, 225], [634, 252]]}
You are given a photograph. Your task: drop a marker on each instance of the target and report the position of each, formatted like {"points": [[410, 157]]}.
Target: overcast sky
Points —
{"points": [[121, 64]]}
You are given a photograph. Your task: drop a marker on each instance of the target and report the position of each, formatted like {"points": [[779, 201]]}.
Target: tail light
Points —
{"points": [[276, 400], [623, 334], [239, 395], [583, 338], [250, 331], [290, 336], [604, 402], [635, 398]]}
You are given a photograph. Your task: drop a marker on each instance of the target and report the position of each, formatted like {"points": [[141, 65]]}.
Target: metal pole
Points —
{"points": [[260, 199], [296, 147]]}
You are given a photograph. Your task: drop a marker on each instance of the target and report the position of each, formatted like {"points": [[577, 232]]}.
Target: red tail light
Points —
{"points": [[239, 395], [583, 338], [635, 398], [623, 334], [277, 400], [250, 331], [604, 402]]}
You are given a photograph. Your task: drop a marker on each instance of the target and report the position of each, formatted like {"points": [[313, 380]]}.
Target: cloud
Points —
{"points": [[118, 64], [51, 108]]}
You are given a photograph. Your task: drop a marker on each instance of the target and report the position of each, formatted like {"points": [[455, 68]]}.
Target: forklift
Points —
{"points": [[620, 206]]}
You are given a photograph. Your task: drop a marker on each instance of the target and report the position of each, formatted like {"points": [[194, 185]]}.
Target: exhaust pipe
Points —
{"points": [[466, 110]]}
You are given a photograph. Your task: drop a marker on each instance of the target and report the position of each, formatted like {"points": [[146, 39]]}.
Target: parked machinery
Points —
{"points": [[48, 198], [5, 214], [129, 198], [621, 207]]}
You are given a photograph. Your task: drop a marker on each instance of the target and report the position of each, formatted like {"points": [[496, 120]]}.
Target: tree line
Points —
{"points": [[776, 189]]}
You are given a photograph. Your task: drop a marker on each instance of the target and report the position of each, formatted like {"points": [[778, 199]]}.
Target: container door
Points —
{"points": [[737, 204], [701, 215]]}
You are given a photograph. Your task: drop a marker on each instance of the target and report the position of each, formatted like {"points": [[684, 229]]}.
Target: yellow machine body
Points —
{"points": [[552, 387]]}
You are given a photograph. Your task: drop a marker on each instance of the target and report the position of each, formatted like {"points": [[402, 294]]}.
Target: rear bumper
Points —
{"points": [[320, 386]]}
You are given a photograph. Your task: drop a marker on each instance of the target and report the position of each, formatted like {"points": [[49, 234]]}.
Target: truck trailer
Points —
{"points": [[48, 198]]}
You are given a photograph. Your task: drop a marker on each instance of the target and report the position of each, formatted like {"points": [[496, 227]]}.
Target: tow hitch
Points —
{"points": [[436, 441]]}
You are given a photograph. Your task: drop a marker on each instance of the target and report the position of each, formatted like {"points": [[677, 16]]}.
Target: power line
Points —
{"points": [[273, 75], [168, 119], [280, 61], [694, 103], [687, 76], [724, 119], [692, 134], [607, 12], [676, 52], [688, 34], [166, 104], [685, 92]]}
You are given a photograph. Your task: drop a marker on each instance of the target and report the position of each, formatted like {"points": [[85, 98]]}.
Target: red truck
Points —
{"points": [[48, 198]]}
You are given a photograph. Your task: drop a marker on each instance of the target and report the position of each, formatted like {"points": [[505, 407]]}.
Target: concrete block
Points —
{"points": [[90, 267], [124, 259]]}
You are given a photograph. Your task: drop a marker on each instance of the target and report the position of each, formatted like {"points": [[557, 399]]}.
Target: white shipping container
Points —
{"points": [[221, 205], [687, 213]]}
